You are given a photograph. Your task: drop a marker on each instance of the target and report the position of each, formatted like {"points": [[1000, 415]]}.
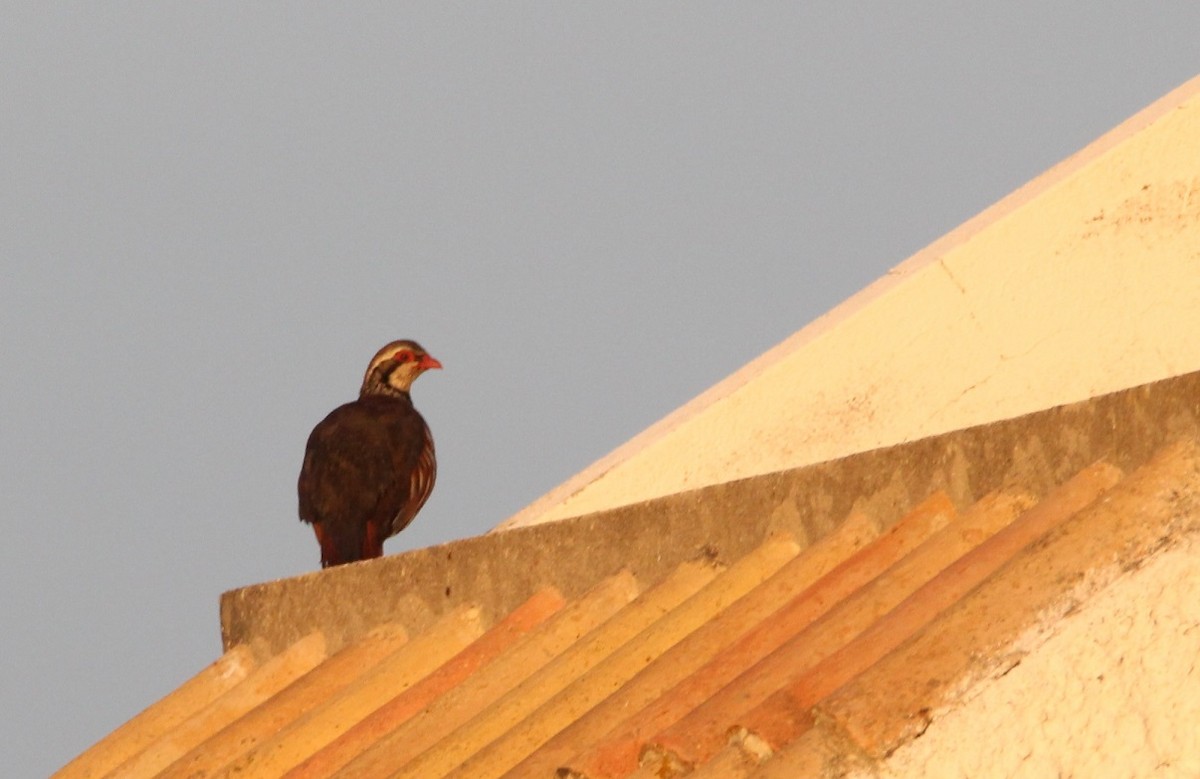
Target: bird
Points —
{"points": [[369, 466]]}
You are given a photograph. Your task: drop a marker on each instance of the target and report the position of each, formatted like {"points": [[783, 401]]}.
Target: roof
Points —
{"points": [[776, 649], [1079, 283]]}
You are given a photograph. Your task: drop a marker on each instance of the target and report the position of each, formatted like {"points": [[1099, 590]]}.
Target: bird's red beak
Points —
{"points": [[428, 361]]}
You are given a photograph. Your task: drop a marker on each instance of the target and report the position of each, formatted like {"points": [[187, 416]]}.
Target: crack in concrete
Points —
{"points": [[953, 279]]}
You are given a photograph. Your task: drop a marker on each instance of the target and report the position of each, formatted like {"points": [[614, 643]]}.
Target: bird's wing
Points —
{"points": [[348, 472], [422, 472]]}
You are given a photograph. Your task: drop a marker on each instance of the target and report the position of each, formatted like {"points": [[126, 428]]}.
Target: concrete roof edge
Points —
{"points": [[500, 571]]}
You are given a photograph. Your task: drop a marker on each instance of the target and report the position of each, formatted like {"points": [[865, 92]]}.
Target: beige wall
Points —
{"points": [[1114, 692], [1084, 281]]}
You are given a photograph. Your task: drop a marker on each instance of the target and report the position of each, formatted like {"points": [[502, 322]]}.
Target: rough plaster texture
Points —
{"points": [[1081, 282], [1115, 692]]}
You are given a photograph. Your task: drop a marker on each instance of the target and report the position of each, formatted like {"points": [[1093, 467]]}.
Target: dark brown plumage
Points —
{"points": [[369, 466]]}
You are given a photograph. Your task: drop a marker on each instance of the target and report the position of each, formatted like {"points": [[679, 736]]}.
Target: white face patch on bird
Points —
{"points": [[396, 366]]}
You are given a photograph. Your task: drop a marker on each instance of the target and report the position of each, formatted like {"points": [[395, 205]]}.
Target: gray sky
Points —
{"points": [[213, 215]]}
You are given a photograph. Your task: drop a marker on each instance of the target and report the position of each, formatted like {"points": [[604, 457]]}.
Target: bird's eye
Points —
{"points": [[403, 356]]}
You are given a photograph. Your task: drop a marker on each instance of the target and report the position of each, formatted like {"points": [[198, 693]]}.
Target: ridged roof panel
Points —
{"points": [[806, 659]]}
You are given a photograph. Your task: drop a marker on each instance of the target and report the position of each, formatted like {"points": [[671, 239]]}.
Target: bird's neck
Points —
{"points": [[384, 390]]}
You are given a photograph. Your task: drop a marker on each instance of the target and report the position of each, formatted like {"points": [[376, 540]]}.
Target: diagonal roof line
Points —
{"points": [[550, 506], [500, 571]]}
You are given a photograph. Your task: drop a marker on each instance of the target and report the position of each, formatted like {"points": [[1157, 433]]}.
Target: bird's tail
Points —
{"points": [[339, 545]]}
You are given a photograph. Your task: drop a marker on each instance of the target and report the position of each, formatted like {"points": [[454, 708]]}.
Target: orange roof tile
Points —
{"points": [[257, 688], [397, 672], [689, 654], [636, 654], [701, 733], [404, 706], [617, 753], [1136, 518], [164, 716], [449, 753], [730, 763], [308, 691], [458, 706], [777, 662], [793, 701]]}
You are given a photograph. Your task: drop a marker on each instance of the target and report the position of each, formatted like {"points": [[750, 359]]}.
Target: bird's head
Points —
{"points": [[395, 367]]}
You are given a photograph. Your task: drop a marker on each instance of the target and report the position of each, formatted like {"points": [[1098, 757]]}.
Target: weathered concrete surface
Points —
{"points": [[1116, 692], [1080, 283], [500, 571]]}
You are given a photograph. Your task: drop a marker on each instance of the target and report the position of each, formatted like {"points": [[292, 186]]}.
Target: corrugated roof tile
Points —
{"points": [[267, 680], [304, 694], [891, 702], [403, 743], [609, 675], [499, 638], [163, 716], [817, 663], [819, 753], [692, 652], [696, 737], [731, 762], [394, 673], [618, 752], [445, 756], [781, 717]]}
